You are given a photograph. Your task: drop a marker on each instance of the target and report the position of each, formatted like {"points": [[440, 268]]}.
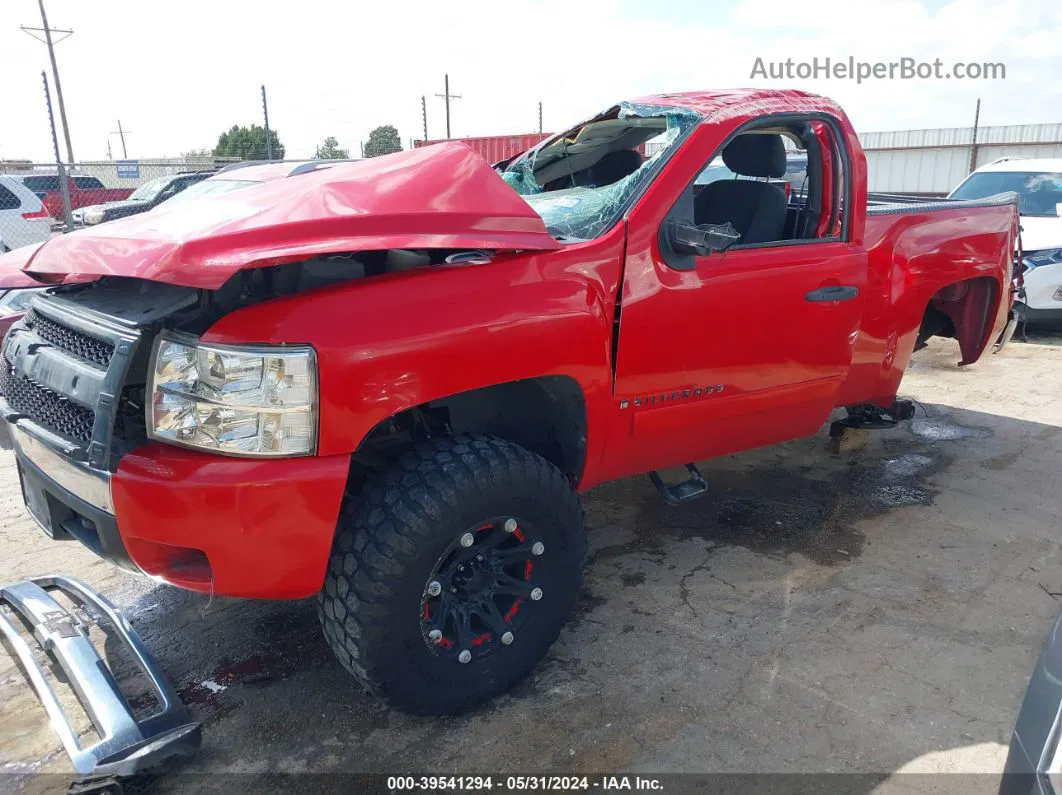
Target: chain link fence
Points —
{"points": [[40, 200]]}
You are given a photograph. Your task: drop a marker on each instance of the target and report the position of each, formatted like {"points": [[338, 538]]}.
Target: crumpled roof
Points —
{"points": [[721, 104]]}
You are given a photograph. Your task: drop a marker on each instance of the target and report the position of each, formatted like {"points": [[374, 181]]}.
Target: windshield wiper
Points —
{"points": [[560, 237]]}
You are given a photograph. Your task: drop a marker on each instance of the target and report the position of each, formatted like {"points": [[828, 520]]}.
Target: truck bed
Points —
{"points": [[948, 255]]}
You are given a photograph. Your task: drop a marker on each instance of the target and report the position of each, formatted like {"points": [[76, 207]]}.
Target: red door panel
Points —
{"points": [[733, 355]]}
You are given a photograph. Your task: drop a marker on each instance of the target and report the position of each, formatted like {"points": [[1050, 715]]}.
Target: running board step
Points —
{"points": [[127, 745], [686, 491]]}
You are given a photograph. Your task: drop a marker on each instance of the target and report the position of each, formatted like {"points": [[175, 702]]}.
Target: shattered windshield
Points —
{"points": [[580, 181]]}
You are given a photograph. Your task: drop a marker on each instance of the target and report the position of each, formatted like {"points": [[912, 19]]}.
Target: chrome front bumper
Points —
{"points": [[127, 744], [88, 484]]}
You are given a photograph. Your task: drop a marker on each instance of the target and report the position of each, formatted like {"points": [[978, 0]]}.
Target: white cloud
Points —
{"points": [[178, 74]]}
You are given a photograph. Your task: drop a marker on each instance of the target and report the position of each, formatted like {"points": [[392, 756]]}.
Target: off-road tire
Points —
{"points": [[393, 532]]}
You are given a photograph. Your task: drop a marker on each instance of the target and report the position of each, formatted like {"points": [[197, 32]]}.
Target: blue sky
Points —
{"points": [[177, 74]]}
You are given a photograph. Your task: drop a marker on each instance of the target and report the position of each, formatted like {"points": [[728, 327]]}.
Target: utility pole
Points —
{"points": [[121, 134], [539, 118], [47, 31], [973, 141], [447, 96], [109, 155], [64, 188], [424, 115], [268, 138]]}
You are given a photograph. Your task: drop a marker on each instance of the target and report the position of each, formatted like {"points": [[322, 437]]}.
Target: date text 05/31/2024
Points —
{"points": [[521, 783]]}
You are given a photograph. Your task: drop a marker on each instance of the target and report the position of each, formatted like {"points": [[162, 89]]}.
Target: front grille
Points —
{"points": [[44, 406], [67, 339]]}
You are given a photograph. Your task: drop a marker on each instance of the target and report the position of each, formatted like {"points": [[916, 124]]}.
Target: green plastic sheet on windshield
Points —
{"points": [[584, 212]]}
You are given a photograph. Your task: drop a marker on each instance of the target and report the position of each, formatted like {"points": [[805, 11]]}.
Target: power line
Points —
{"points": [[47, 31], [447, 96]]}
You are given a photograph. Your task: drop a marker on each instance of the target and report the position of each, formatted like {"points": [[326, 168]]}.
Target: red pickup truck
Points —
{"points": [[384, 383], [84, 191]]}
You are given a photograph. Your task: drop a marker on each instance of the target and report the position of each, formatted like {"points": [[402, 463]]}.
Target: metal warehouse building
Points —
{"points": [[935, 161]]}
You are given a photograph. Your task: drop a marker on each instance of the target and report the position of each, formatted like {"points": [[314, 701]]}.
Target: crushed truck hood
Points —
{"points": [[443, 196]]}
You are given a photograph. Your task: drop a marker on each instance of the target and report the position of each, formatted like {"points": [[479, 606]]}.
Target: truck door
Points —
{"points": [[720, 352]]}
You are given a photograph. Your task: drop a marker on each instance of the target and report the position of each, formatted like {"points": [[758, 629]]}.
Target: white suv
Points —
{"points": [[1038, 184], [23, 219]]}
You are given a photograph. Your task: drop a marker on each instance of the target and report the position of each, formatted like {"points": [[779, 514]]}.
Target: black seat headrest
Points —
{"points": [[756, 155], [616, 165]]}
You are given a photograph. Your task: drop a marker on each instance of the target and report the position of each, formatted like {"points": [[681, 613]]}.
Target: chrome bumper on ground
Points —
{"points": [[127, 745]]}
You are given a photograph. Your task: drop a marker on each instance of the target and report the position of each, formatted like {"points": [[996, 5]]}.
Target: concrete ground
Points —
{"points": [[870, 613]]}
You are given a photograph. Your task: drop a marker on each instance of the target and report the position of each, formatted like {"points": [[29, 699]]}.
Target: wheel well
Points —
{"points": [[963, 311], [546, 415]]}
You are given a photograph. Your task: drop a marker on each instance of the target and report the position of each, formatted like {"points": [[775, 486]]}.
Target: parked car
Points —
{"points": [[1038, 184], [84, 190], [144, 198], [385, 383], [1034, 762], [242, 175], [23, 218]]}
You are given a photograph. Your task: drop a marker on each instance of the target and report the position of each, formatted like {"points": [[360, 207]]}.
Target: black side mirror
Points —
{"points": [[702, 239]]}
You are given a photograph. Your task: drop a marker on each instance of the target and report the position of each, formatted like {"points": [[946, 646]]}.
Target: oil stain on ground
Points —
{"points": [[800, 500]]}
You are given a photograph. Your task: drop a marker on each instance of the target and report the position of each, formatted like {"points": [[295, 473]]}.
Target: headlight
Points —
{"points": [[17, 300], [1037, 259], [92, 217], [251, 401]]}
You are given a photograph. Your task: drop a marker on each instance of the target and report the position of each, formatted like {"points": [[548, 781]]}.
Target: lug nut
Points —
{"points": [[507, 638], [536, 594], [464, 656], [538, 548], [434, 588], [435, 635], [467, 540], [510, 525]]}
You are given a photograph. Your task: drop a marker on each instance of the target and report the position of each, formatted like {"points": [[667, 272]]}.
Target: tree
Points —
{"points": [[383, 141], [248, 143], [330, 150], [202, 151]]}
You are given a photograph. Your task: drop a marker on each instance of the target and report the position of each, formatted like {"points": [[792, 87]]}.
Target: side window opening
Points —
{"points": [[773, 185]]}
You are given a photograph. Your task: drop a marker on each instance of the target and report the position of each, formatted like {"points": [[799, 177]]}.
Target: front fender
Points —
{"points": [[389, 343]]}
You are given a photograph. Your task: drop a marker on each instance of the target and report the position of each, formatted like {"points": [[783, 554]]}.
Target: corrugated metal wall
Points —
{"points": [[935, 161]]}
